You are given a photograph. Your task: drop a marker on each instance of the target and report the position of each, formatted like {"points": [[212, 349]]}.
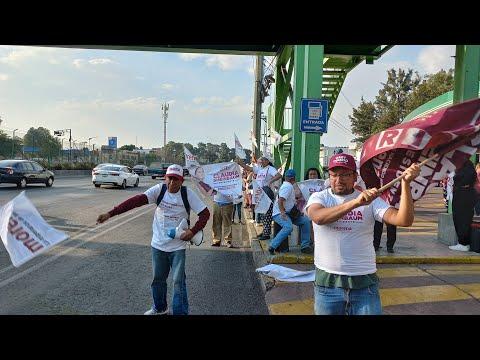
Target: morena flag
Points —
{"points": [[452, 133]]}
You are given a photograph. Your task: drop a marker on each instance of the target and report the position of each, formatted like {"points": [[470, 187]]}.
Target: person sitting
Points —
{"points": [[285, 214]]}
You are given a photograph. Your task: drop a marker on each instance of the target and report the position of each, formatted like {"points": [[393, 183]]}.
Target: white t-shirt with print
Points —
{"points": [[345, 247], [287, 192], [264, 175], [169, 214]]}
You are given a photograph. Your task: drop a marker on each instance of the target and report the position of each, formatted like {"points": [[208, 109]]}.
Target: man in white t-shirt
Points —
{"points": [[283, 216], [174, 202], [343, 218]]}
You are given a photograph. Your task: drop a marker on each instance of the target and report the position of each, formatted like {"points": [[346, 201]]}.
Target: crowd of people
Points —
{"points": [[341, 223]]}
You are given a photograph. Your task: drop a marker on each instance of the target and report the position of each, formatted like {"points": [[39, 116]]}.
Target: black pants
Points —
{"points": [[377, 234], [462, 208]]}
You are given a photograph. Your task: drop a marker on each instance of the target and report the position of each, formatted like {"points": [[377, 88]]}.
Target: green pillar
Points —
{"points": [[467, 72], [308, 80]]}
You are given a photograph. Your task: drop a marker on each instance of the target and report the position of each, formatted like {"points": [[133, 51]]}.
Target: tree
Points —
{"points": [[363, 120], [432, 86], [43, 144], [224, 153], [391, 101], [127, 147], [6, 145]]}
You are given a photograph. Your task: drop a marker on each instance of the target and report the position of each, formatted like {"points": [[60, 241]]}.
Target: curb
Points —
{"points": [[260, 249]]}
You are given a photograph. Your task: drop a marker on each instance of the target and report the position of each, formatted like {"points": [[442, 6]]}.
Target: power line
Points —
{"points": [[341, 92]]}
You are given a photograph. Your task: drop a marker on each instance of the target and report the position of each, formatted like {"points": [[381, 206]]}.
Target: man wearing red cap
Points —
{"points": [[343, 221], [173, 204]]}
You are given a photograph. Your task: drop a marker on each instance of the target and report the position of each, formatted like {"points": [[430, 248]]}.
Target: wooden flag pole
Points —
{"points": [[391, 183]]}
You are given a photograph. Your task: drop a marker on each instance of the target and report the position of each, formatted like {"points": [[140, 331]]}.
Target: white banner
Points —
{"points": [[307, 188], [239, 149], [283, 273], [224, 178], [260, 199], [24, 232]]}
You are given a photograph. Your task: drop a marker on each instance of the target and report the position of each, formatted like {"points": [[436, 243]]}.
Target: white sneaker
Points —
{"points": [[460, 247], [153, 311]]}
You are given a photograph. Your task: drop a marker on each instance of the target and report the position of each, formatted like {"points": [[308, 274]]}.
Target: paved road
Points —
{"points": [[106, 269]]}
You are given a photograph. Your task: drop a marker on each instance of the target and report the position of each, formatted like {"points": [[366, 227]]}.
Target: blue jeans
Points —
{"points": [[162, 262], [302, 222], [339, 301]]}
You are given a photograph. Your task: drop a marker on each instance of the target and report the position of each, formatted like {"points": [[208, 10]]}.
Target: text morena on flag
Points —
{"points": [[452, 133]]}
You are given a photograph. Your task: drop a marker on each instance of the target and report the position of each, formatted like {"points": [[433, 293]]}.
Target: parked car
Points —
{"points": [[140, 169], [118, 175], [157, 169], [23, 172]]}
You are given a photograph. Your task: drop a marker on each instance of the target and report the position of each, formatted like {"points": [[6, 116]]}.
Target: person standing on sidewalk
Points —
{"points": [[285, 213], [463, 203], [222, 218], [345, 279], [172, 200], [266, 176]]}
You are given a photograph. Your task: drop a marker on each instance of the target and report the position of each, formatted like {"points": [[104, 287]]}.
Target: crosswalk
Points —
{"points": [[422, 289]]}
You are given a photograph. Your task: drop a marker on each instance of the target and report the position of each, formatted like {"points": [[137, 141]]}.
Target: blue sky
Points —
{"points": [[102, 93]]}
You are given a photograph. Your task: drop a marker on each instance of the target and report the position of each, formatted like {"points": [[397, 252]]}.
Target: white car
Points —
{"points": [[118, 175]]}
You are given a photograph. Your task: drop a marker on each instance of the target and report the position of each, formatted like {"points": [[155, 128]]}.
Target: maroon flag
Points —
{"points": [[453, 133]]}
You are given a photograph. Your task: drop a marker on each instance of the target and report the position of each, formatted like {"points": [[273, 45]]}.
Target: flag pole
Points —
{"points": [[391, 183]]}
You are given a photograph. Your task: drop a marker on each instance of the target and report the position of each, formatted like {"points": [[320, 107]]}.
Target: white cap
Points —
{"points": [[175, 171]]}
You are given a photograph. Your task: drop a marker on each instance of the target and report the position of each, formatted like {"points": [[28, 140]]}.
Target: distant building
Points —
{"points": [[326, 152]]}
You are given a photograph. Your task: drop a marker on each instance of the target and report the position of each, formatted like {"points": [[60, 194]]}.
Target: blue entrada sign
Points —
{"points": [[313, 115]]}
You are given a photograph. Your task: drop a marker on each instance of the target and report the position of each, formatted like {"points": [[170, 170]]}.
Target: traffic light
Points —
{"points": [[58, 132]]}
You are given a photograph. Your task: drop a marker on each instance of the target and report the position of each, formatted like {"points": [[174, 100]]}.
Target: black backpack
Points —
{"points": [[183, 192]]}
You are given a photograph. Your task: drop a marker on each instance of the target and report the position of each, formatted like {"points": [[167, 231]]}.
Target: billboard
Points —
{"points": [[112, 142]]}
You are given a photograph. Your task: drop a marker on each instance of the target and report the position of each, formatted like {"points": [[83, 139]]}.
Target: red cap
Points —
{"points": [[342, 160]]}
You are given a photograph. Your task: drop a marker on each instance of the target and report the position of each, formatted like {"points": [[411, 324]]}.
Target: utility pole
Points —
{"points": [[13, 142], [257, 104], [165, 107]]}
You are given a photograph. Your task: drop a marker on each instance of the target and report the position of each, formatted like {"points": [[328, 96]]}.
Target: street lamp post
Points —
{"points": [[90, 154], [13, 142]]}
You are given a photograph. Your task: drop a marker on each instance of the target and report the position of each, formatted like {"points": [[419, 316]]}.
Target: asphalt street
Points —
{"points": [[106, 269]]}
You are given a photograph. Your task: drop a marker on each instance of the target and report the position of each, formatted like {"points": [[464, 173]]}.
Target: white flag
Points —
{"points": [[190, 159], [239, 149], [276, 137], [260, 199], [253, 138], [24, 232]]}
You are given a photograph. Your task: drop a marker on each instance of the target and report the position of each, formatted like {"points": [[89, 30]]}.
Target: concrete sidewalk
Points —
{"points": [[417, 244]]}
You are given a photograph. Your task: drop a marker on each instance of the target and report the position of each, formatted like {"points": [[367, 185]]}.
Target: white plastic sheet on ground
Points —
{"points": [[283, 273], [24, 232]]}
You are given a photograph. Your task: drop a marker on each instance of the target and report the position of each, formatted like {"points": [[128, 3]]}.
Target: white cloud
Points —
{"points": [[3, 77], [20, 54], [190, 57], [436, 57], [136, 104], [100, 61], [167, 86], [81, 63], [223, 62], [199, 100]]}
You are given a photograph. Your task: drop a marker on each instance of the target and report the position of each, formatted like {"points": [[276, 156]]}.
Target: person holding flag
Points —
{"points": [[266, 175], [174, 202], [343, 218]]}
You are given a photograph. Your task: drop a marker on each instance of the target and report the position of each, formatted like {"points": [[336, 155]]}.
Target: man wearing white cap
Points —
{"points": [[174, 202]]}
